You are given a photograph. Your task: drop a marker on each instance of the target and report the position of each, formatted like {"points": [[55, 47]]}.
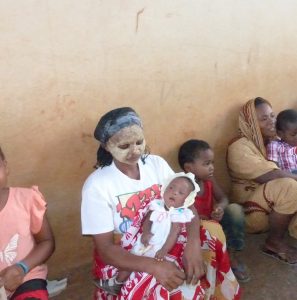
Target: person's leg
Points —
{"points": [[216, 258], [278, 199], [122, 276], [293, 227], [113, 285], [275, 244], [31, 289], [233, 223]]}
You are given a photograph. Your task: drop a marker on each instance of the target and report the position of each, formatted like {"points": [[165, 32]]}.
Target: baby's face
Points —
{"points": [[289, 135], [177, 191]]}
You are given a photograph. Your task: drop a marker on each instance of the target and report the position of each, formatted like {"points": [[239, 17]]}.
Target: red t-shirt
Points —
{"points": [[204, 203]]}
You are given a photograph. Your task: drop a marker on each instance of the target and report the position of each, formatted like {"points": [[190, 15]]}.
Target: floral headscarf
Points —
{"points": [[249, 126]]}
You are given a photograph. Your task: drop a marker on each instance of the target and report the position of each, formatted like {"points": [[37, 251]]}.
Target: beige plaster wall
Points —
{"points": [[185, 66]]}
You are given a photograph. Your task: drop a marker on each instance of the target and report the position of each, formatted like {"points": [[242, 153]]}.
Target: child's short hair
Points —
{"points": [[189, 151], [284, 118], [2, 156]]}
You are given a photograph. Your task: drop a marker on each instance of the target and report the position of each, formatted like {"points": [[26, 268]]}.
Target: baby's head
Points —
{"points": [[286, 126], [196, 156], [180, 190]]}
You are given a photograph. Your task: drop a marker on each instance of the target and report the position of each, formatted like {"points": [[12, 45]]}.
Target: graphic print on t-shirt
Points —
{"points": [[9, 253], [130, 203]]}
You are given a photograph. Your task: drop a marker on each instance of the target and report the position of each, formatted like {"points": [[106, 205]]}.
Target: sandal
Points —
{"points": [[282, 256], [241, 273]]}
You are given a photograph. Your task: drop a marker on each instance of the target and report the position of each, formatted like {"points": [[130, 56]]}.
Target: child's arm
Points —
{"points": [[221, 201], [286, 150], [170, 241], [146, 230], [272, 151], [45, 245]]}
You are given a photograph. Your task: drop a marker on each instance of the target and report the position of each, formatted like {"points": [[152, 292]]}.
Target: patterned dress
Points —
{"points": [[219, 282]]}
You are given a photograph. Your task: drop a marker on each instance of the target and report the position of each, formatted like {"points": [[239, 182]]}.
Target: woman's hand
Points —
{"points": [[167, 274], [192, 258], [193, 261], [12, 277]]}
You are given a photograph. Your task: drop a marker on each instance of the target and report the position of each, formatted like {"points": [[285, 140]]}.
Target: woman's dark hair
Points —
{"points": [[104, 158], [190, 150], [259, 101], [284, 118]]}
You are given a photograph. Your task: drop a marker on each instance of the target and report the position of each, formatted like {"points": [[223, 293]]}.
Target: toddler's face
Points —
{"points": [[203, 167], [289, 135], [177, 191]]}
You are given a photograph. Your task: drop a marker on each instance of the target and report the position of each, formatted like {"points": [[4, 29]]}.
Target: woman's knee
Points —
{"points": [[214, 229], [282, 194], [282, 185], [256, 222]]}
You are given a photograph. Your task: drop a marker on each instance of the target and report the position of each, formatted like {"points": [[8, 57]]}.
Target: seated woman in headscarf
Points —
{"points": [[268, 194]]}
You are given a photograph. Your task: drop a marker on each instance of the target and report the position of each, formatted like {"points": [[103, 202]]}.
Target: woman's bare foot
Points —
{"points": [[281, 251]]}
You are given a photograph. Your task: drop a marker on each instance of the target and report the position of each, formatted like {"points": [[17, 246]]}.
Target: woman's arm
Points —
{"points": [[45, 246], [166, 273], [274, 174], [192, 258]]}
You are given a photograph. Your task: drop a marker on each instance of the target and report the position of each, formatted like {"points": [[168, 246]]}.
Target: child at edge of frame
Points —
{"points": [[26, 240]]}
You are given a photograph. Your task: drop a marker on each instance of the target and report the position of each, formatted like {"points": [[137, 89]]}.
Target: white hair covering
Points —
{"points": [[191, 197]]}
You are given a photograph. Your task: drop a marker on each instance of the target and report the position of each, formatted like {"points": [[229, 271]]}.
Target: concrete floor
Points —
{"points": [[271, 279]]}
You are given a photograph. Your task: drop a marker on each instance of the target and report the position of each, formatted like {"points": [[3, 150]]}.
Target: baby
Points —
{"points": [[162, 224], [283, 151]]}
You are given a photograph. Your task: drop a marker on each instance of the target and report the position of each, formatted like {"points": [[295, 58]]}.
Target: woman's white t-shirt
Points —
{"points": [[110, 198]]}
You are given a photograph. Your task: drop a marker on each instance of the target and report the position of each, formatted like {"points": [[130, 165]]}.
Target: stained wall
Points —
{"points": [[185, 66]]}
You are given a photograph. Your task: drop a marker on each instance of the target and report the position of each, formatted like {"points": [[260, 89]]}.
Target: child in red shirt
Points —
{"points": [[197, 157]]}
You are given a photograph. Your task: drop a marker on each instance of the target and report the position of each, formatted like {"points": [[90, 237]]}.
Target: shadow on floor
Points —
{"points": [[271, 279]]}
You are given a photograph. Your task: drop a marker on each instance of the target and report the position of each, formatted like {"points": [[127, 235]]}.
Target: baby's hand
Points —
{"points": [[145, 238], [160, 255], [217, 213]]}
